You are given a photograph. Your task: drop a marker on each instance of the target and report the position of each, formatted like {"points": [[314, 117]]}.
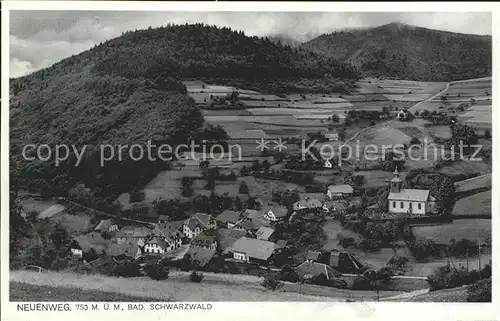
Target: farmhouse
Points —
{"points": [[226, 237], [264, 233], [205, 240], [168, 233], [200, 255], [124, 251], [339, 191], [403, 115], [156, 245], [252, 250], [331, 136], [410, 201], [84, 244], [309, 201], [343, 262], [228, 218], [309, 269], [106, 226], [136, 233], [275, 212], [199, 222]]}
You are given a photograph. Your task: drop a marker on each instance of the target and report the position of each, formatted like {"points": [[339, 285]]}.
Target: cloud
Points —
{"points": [[41, 38]]}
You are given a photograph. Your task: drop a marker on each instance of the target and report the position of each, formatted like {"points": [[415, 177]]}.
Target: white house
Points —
{"points": [[332, 136], [275, 212], [156, 245], [339, 191], [410, 201], [199, 222], [403, 114], [327, 164]]}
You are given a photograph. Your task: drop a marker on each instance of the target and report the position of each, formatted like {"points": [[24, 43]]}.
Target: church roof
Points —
{"points": [[418, 195]]}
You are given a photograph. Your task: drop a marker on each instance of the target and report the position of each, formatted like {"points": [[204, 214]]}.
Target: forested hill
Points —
{"points": [[128, 90], [408, 52], [219, 54]]}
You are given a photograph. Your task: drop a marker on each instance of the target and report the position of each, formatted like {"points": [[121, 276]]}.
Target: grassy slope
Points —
{"points": [[29, 292], [215, 287]]}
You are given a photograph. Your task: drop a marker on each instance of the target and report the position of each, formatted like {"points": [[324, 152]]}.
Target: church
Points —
{"points": [[409, 201]]}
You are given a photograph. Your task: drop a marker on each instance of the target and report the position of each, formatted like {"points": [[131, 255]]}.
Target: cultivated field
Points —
{"points": [[477, 204], [458, 229]]}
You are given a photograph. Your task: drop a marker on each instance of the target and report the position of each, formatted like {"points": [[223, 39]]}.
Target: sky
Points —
{"points": [[40, 38]]}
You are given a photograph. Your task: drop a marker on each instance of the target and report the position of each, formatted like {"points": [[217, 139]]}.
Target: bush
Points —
{"points": [[446, 277], [243, 189], [127, 269], [157, 271], [480, 291], [415, 141], [137, 196], [361, 283], [289, 274], [272, 283], [196, 277]]}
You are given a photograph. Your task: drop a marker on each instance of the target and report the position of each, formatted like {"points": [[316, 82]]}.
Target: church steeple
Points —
{"points": [[396, 182]]}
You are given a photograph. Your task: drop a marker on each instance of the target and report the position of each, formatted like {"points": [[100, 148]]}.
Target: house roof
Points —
{"points": [[199, 219], [203, 239], [250, 224], [104, 225], [254, 248], [252, 214], [200, 254], [419, 195], [226, 237], [228, 217], [309, 268], [134, 231], [278, 210], [127, 249], [312, 255], [92, 240], [53, 210], [156, 240], [345, 189], [167, 231], [264, 232]]}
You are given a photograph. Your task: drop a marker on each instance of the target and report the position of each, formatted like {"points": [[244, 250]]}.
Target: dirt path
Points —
{"points": [[413, 108]]}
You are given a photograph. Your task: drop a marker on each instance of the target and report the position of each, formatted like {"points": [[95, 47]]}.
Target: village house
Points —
{"points": [[312, 256], [403, 114], [310, 201], [309, 269], [226, 237], [205, 240], [157, 246], [138, 234], [335, 191], [331, 135], [169, 234], [196, 224], [228, 218], [341, 261], [124, 251], [84, 244], [327, 164], [200, 255], [106, 226], [275, 213], [409, 201], [252, 250], [264, 233]]}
